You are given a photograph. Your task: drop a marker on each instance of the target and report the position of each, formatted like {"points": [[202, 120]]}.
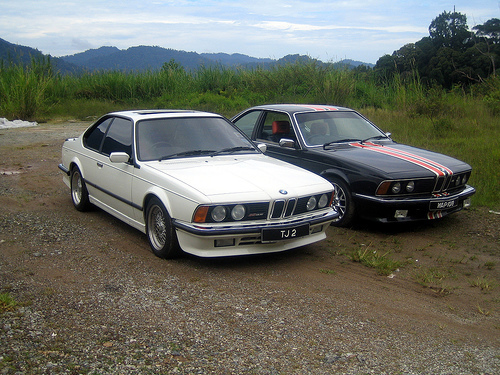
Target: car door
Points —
{"points": [[271, 127], [275, 127], [110, 183]]}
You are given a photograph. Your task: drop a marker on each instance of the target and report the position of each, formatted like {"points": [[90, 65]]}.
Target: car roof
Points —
{"points": [[295, 108], [141, 114]]}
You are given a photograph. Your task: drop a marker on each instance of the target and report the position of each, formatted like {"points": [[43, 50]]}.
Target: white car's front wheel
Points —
{"points": [[160, 232]]}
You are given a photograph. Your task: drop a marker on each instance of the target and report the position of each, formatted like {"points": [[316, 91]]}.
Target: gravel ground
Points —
{"points": [[91, 298]]}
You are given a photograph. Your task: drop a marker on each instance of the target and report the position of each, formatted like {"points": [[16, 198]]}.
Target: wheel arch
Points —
{"points": [[75, 163], [335, 173], [161, 196], [347, 210]]}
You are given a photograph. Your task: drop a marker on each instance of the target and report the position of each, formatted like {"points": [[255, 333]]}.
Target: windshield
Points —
{"points": [[319, 128], [167, 138]]}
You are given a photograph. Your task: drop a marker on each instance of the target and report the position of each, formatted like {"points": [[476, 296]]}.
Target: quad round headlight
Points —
{"points": [[311, 204], [464, 179], [238, 212], [219, 213], [396, 188], [323, 201], [410, 186]]}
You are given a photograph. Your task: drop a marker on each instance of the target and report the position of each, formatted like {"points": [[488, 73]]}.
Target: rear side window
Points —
{"points": [[94, 137]]}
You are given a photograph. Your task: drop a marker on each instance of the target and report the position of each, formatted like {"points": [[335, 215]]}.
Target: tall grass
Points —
{"points": [[23, 90], [463, 124]]}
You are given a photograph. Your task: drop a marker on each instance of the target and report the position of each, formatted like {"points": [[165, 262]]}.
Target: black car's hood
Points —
{"points": [[396, 158]]}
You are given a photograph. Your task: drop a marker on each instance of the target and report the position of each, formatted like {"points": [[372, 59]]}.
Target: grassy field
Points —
{"points": [[464, 123]]}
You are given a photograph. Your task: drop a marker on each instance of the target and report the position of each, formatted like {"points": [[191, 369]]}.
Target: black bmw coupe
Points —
{"points": [[375, 177]]}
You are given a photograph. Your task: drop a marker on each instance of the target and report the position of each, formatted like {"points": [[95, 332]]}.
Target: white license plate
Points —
{"points": [[285, 233], [443, 205]]}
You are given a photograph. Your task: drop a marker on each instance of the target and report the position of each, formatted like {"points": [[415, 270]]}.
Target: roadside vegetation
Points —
{"points": [[463, 122]]}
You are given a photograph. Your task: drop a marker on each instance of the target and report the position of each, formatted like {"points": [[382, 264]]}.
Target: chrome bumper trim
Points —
{"points": [[231, 229]]}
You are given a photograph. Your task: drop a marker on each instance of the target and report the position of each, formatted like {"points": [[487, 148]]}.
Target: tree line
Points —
{"points": [[451, 55]]}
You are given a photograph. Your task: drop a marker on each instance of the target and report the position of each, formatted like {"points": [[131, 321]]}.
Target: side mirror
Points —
{"points": [[388, 134], [262, 147], [119, 157], [288, 143]]}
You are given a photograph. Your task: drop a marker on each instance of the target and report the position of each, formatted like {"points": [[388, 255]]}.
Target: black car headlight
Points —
{"points": [[396, 187], [410, 186]]}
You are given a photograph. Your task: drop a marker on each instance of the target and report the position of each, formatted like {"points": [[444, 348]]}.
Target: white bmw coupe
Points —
{"points": [[193, 182]]}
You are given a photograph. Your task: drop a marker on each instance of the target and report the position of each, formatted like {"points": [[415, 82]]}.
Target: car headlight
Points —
{"points": [[311, 204], [410, 186], [219, 213], [396, 188], [464, 179], [238, 212], [323, 201]]}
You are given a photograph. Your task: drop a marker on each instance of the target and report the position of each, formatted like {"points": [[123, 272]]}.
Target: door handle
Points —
{"points": [[99, 165]]}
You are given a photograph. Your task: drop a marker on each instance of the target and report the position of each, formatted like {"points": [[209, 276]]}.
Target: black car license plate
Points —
{"points": [[285, 233], [444, 205]]}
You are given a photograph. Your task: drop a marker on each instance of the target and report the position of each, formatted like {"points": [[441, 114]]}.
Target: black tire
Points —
{"points": [[79, 193], [160, 231], [342, 202]]}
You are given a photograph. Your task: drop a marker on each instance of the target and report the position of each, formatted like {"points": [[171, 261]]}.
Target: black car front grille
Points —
{"points": [[451, 182]]}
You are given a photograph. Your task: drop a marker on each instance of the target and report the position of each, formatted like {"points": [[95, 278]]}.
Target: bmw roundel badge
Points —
{"points": [[283, 191]]}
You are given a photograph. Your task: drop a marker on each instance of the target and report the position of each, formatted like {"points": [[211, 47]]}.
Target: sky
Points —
{"points": [[361, 30]]}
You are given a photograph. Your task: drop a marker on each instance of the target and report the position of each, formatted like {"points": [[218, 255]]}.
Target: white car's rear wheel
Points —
{"points": [[160, 232], [79, 193]]}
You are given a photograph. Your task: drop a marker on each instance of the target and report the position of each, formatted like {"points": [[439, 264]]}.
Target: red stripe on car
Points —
{"points": [[432, 162], [412, 159]]}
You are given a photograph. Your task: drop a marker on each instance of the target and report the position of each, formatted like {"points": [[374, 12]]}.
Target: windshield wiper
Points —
{"points": [[374, 137], [231, 150], [342, 140], [187, 153]]}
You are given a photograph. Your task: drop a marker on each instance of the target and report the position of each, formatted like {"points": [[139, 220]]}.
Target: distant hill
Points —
{"points": [[17, 54], [142, 58], [235, 59]]}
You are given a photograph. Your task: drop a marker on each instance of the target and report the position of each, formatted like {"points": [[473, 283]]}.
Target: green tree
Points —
{"points": [[489, 30], [450, 29]]}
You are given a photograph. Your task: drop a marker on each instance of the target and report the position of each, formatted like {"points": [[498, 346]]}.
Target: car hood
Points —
{"points": [[253, 177], [394, 158]]}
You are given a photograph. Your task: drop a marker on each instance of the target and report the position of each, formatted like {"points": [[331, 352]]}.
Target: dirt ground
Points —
{"points": [[446, 289]]}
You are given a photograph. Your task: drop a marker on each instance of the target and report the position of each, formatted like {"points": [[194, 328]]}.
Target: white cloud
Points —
{"points": [[359, 29]]}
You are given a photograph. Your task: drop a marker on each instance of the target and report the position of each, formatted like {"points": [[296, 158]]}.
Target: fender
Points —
{"points": [[333, 172], [174, 207]]}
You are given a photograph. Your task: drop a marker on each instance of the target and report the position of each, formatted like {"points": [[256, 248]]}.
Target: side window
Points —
{"points": [[94, 137], [247, 123], [118, 137], [276, 126]]}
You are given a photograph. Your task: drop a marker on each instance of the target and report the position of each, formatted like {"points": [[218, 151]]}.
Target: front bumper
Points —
{"points": [[228, 240], [411, 209]]}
